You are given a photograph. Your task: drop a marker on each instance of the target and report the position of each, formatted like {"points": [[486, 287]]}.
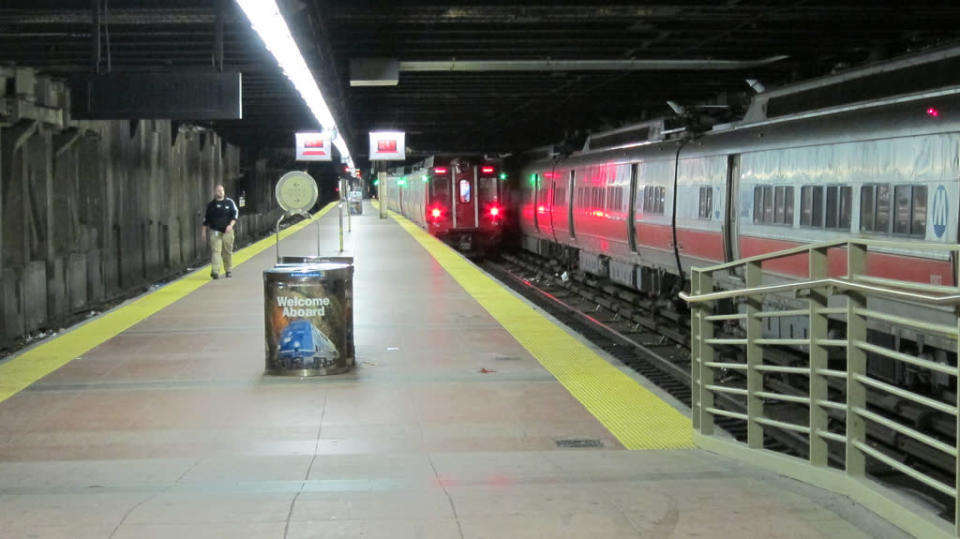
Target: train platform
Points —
{"points": [[470, 414]]}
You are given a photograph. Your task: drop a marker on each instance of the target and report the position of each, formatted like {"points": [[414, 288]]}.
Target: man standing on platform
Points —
{"points": [[220, 217]]}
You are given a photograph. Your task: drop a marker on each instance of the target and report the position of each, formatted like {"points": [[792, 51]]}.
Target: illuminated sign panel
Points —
{"points": [[314, 146], [387, 146]]}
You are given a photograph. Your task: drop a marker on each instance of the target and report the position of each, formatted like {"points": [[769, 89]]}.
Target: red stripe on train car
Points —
{"points": [[701, 244], [656, 236], [888, 266]]}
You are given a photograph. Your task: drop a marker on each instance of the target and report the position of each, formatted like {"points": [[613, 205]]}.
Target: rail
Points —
{"points": [[853, 302]]}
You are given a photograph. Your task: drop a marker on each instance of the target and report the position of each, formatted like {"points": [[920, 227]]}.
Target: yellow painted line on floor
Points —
{"points": [[32, 365], [633, 414]]}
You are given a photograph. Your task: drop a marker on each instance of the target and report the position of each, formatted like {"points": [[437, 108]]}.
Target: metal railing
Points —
{"points": [[740, 352]]}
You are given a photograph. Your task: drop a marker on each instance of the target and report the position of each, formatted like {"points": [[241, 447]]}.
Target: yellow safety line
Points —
{"points": [[25, 369], [634, 415]]}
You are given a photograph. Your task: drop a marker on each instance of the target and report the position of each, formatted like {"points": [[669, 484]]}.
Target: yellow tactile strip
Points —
{"points": [[634, 415], [32, 365]]}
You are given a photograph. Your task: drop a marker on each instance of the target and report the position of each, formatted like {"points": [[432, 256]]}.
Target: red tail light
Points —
{"points": [[436, 213], [494, 211], [440, 170], [486, 170]]}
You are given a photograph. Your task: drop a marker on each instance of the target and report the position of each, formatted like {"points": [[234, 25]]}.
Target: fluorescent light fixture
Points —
{"points": [[265, 18]]}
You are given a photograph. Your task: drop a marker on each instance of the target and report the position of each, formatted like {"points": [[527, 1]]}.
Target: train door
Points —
{"points": [[440, 195], [731, 226], [464, 196], [631, 212], [554, 203], [534, 191]]}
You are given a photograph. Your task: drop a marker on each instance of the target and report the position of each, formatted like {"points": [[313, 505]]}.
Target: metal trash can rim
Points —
{"points": [[286, 269]]}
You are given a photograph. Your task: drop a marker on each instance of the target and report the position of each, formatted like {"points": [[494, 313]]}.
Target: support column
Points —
{"points": [[381, 189]]}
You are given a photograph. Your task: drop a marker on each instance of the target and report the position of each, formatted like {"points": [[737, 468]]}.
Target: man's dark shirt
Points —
{"points": [[220, 213]]}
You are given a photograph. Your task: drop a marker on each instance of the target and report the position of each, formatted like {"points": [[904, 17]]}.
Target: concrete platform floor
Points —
{"points": [[172, 430]]}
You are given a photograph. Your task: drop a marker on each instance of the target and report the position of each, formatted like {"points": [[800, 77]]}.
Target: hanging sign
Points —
{"points": [[314, 146], [387, 146]]}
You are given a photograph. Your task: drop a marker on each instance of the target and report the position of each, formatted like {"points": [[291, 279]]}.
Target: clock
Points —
{"points": [[296, 191]]}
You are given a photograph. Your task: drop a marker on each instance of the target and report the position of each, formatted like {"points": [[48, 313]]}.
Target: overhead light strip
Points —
{"points": [[265, 18]]}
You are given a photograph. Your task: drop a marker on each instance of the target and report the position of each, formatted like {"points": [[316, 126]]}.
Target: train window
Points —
{"points": [[811, 205], [901, 216], [560, 196], [653, 200], [464, 191], [778, 205], [767, 204], [787, 206], [706, 202], [617, 199], [846, 200], [832, 206], [441, 190], [904, 207], [758, 204], [816, 208], [596, 198], [487, 189], [866, 208], [806, 205], [883, 208], [837, 209], [910, 210], [919, 225]]}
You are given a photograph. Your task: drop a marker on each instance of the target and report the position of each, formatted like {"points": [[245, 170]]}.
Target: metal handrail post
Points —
{"points": [[705, 355], [856, 365], [818, 359], [754, 276], [956, 483]]}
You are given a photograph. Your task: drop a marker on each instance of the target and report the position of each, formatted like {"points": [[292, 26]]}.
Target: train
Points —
{"points": [[459, 199], [303, 346], [643, 204]]}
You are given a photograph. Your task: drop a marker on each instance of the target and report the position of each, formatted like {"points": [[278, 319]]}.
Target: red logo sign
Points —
{"points": [[387, 145], [316, 145]]}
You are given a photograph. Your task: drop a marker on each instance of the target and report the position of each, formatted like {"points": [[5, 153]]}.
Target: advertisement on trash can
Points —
{"points": [[307, 314]]}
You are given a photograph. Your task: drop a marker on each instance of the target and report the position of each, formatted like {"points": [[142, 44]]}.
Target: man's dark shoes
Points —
{"points": [[214, 276], [229, 275]]}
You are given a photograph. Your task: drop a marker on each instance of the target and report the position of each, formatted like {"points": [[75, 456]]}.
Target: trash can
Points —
{"points": [[308, 311], [288, 261]]}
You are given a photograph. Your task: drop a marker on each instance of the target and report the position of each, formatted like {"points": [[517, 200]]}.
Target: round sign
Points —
{"points": [[296, 191]]}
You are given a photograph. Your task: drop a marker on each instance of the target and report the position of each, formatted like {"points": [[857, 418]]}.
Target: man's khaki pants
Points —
{"points": [[221, 247]]}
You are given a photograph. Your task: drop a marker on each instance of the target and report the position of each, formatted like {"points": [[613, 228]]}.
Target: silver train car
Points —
{"points": [[642, 213]]}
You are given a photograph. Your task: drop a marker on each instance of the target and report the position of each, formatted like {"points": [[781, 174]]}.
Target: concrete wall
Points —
{"points": [[91, 211]]}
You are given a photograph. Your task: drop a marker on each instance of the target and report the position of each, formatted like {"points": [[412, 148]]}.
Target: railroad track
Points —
{"points": [[652, 337]]}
